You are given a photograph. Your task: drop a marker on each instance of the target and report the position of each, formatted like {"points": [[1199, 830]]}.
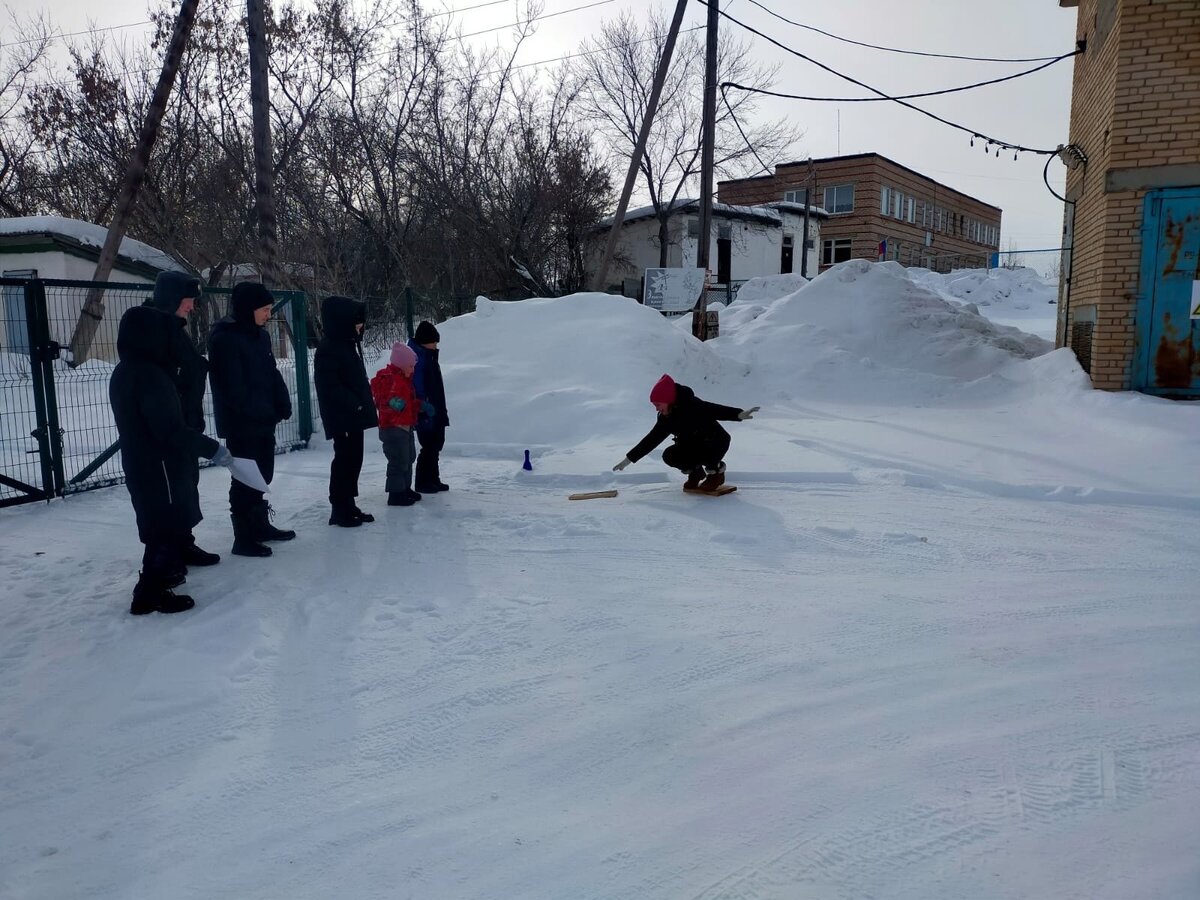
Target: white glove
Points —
{"points": [[747, 414], [222, 457], [622, 464]]}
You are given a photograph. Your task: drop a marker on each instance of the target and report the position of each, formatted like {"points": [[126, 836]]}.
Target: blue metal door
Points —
{"points": [[1168, 352]]}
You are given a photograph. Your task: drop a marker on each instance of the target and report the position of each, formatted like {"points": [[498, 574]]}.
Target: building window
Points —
{"points": [[839, 198], [797, 196], [835, 251], [693, 227], [912, 210], [885, 202]]}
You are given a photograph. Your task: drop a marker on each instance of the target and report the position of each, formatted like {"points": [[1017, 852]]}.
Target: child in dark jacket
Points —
{"points": [[396, 402], [344, 398], [433, 419], [700, 442]]}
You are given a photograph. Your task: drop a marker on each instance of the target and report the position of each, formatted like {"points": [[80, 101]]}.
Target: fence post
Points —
{"points": [[408, 312], [38, 335], [300, 337]]}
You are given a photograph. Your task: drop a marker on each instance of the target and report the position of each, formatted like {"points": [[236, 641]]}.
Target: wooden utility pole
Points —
{"points": [[810, 184], [700, 315], [264, 186], [660, 76], [93, 305]]}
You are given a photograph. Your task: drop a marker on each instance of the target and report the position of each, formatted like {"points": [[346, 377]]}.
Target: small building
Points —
{"points": [[879, 209], [52, 247], [1130, 287], [747, 241]]}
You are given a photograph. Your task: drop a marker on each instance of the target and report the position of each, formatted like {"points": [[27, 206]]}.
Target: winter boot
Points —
{"points": [[401, 498], [413, 495], [267, 531], [716, 477], [363, 517], [246, 540], [344, 515], [693, 480], [194, 556], [150, 596]]}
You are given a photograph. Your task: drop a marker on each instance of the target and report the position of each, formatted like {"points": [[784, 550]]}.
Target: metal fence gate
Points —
{"points": [[57, 435]]}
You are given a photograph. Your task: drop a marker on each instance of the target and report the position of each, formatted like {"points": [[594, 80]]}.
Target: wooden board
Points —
{"points": [[593, 495], [719, 492]]}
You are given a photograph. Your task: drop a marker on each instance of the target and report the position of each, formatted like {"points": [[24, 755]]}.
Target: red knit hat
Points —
{"points": [[663, 390]]}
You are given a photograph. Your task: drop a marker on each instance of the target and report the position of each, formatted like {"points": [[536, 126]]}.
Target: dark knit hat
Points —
{"points": [[248, 296], [426, 334], [171, 289]]}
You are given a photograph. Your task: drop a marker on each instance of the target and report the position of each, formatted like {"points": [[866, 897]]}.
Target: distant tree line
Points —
{"points": [[403, 155]]}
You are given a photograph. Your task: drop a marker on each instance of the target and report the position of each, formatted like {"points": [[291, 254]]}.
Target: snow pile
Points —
{"points": [[765, 288], [865, 330], [1019, 297], [556, 372]]}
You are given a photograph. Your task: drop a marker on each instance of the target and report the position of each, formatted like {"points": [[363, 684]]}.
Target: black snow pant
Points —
{"points": [[428, 475], [399, 450], [245, 500], [687, 455], [163, 558], [345, 468]]}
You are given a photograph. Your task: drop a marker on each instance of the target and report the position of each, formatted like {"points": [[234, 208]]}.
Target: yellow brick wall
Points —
{"points": [[1135, 102]]}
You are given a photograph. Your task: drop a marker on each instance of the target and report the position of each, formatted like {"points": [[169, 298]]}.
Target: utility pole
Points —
{"points": [[660, 76], [808, 194], [264, 188], [93, 305], [700, 315]]}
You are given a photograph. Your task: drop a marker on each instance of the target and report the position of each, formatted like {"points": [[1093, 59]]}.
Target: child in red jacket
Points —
{"points": [[396, 401]]}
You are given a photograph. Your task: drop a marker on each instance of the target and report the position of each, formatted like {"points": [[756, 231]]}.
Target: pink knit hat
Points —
{"points": [[663, 390], [403, 357]]}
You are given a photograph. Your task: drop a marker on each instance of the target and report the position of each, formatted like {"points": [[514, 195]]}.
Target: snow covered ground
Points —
{"points": [[943, 642]]}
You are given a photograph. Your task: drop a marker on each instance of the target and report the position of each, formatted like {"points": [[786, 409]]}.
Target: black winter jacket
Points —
{"points": [[689, 419], [158, 448], [428, 385], [249, 394], [343, 391], [189, 370]]}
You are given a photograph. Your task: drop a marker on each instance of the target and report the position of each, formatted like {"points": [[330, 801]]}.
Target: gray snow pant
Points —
{"points": [[400, 448]]}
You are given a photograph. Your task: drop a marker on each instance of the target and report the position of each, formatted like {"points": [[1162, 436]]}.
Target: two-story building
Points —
{"points": [[878, 209]]}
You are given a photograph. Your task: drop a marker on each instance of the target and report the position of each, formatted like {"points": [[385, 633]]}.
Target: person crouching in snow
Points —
{"points": [[396, 402], [700, 442]]}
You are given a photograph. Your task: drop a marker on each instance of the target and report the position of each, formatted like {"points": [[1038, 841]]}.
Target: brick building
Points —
{"points": [[1133, 190], [879, 209]]}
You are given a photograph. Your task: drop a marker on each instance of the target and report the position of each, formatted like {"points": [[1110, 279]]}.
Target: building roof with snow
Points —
{"points": [[33, 234], [766, 213]]}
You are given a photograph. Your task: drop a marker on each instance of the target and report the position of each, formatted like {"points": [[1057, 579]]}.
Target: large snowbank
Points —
{"points": [[770, 287], [1019, 297], [552, 372]]}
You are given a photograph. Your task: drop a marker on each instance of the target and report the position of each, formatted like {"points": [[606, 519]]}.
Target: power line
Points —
{"points": [[999, 144], [749, 145], [897, 49], [938, 93], [59, 37], [533, 19], [544, 62]]}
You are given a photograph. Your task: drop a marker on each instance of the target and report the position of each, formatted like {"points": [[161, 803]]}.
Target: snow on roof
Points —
{"points": [[89, 235], [766, 212]]}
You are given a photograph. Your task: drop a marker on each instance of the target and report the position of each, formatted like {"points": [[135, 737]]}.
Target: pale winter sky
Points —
{"points": [[1031, 111]]}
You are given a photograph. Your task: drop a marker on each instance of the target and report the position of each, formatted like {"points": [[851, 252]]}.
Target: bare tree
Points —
{"points": [[618, 73], [20, 60]]}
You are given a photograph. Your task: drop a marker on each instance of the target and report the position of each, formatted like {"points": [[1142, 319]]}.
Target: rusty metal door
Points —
{"points": [[1168, 323]]}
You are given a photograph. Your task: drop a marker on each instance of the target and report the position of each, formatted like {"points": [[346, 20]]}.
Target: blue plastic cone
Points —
{"points": [[527, 466]]}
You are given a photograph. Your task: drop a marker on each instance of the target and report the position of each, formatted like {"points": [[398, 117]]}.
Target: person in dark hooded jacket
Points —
{"points": [[434, 418], [175, 295], [250, 398], [344, 398], [700, 441], [158, 453]]}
